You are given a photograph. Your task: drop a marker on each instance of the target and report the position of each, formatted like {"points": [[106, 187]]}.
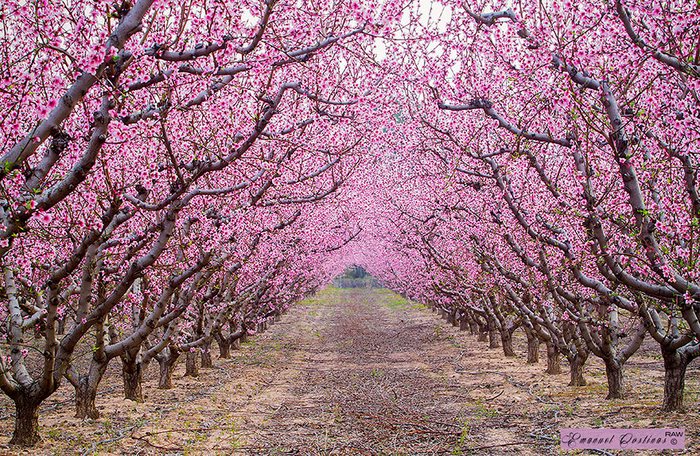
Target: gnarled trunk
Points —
{"points": [[452, 318], [207, 362], [224, 345], [473, 327], [26, 431], [533, 347], [167, 367], [132, 375], [675, 365], [507, 342], [191, 369], [463, 324], [483, 333], [613, 371], [576, 364], [85, 395], [493, 336], [553, 360], [86, 390]]}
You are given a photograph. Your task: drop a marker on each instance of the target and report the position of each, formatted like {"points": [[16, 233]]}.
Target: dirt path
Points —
{"points": [[359, 372], [342, 374]]}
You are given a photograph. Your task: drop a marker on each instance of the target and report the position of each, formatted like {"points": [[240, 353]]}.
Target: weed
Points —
{"points": [[482, 410], [458, 450]]}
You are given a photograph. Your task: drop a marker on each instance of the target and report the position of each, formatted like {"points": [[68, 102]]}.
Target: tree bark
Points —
{"points": [[493, 336], [26, 431], [613, 370], [463, 324], [533, 347], [483, 333], [207, 362], [191, 369], [675, 365], [553, 365], [85, 401], [224, 345], [132, 375], [576, 364], [167, 367], [86, 390], [507, 343], [473, 327]]}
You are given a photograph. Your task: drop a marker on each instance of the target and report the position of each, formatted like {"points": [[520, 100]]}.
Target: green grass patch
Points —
{"points": [[325, 296], [393, 300]]}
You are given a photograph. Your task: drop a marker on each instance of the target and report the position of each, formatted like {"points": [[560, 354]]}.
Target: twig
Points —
{"points": [[149, 434], [542, 437], [122, 433], [496, 396], [486, 447], [603, 452], [149, 443]]}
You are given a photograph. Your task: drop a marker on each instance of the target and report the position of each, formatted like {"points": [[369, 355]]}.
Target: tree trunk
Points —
{"points": [[167, 366], [675, 365], [86, 391], [85, 395], [224, 345], [26, 422], [451, 319], [613, 370], [533, 347], [463, 324], [576, 364], [483, 334], [191, 369], [473, 327], [553, 366], [207, 362], [493, 336], [507, 342], [132, 375]]}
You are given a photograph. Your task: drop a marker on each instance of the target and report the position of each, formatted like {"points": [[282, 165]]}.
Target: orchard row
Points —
{"points": [[178, 173]]}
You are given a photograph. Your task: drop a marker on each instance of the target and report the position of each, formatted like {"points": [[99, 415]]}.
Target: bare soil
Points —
{"points": [[361, 371]]}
